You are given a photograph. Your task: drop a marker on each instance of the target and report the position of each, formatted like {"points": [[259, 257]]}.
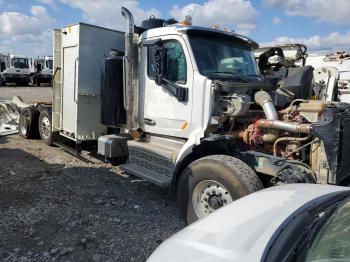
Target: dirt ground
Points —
{"points": [[29, 94], [55, 207]]}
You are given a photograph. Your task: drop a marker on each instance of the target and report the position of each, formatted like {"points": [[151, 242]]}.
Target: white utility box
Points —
{"points": [[77, 97]]}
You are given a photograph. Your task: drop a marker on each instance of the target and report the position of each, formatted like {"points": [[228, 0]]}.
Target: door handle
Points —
{"points": [[75, 80], [149, 122]]}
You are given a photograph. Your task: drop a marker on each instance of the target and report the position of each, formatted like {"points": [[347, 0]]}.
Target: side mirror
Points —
{"points": [[39, 67], [159, 58], [2, 66]]}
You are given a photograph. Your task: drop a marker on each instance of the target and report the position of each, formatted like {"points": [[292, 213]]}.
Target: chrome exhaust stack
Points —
{"points": [[130, 72]]}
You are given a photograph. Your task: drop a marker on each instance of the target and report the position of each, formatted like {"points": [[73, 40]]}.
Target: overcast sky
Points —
{"points": [[26, 25]]}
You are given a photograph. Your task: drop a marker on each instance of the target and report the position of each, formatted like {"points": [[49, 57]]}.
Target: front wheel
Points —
{"points": [[32, 81], [212, 182]]}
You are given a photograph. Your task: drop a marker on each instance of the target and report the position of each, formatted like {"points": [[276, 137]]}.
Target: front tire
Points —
{"points": [[212, 182], [45, 126], [28, 122], [32, 81]]}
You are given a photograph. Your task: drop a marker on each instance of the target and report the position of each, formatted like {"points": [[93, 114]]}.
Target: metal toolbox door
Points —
{"points": [[69, 103]]}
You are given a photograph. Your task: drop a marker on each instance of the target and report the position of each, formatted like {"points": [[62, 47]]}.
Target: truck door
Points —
{"points": [[164, 112]]}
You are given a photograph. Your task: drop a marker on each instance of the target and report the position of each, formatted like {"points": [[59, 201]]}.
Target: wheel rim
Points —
{"points": [[45, 127], [23, 123], [209, 195]]}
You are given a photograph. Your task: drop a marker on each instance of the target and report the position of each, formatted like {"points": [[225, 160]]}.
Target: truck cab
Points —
{"points": [[192, 57], [43, 70], [15, 70]]}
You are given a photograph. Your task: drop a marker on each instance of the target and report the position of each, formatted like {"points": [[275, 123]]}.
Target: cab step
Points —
{"points": [[147, 174], [153, 161]]}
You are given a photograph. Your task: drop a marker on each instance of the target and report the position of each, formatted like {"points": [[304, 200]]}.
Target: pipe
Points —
{"points": [[290, 139], [272, 123], [130, 68], [286, 126], [129, 19], [263, 99]]}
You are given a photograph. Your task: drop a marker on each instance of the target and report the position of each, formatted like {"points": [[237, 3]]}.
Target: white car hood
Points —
{"points": [[240, 231]]}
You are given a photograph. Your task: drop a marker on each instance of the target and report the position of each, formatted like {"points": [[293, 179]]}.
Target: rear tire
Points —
{"points": [[212, 182], [28, 122], [45, 126]]}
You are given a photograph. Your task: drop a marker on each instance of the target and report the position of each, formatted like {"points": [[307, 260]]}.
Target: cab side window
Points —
{"points": [[175, 67]]}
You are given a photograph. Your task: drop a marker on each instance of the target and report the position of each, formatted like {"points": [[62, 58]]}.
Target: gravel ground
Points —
{"points": [[55, 207]]}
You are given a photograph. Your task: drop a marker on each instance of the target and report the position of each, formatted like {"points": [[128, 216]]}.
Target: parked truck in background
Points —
{"points": [[340, 61], [186, 108], [42, 70], [14, 69]]}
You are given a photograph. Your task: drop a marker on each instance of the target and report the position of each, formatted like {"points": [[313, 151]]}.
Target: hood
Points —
{"points": [[241, 230]]}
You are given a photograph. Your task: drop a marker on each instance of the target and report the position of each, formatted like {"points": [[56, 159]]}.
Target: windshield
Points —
{"points": [[332, 243], [49, 64], [19, 62], [219, 54]]}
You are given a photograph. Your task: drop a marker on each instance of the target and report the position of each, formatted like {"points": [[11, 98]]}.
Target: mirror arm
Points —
{"points": [[181, 93]]}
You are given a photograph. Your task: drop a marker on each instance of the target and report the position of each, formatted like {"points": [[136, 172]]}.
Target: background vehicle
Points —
{"points": [[14, 69], [184, 107], [43, 70], [283, 223], [331, 72], [340, 61]]}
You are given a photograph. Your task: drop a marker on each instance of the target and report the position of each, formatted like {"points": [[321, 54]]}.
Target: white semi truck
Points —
{"points": [[42, 70], [14, 69], [186, 108]]}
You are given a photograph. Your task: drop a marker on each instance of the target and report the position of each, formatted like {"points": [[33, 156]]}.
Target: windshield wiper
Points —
{"points": [[257, 76], [229, 74]]}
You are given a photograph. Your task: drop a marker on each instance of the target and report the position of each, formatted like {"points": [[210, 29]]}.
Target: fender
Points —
{"points": [[196, 147], [194, 139]]}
